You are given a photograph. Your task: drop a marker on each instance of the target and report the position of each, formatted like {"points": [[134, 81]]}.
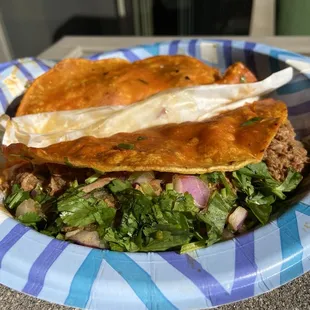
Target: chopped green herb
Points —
{"points": [[261, 189], [169, 187], [243, 79], [78, 209], [117, 185], [189, 247], [27, 84], [243, 182], [67, 162], [17, 196], [261, 206], [291, 181], [143, 81], [60, 237], [157, 224], [41, 197], [93, 178], [215, 216], [251, 121], [147, 189], [133, 220], [30, 219], [140, 138], [126, 146], [213, 177], [54, 228]]}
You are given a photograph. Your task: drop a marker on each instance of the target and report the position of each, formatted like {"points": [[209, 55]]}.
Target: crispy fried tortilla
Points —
{"points": [[71, 84], [224, 143], [237, 73], [80, 83]]}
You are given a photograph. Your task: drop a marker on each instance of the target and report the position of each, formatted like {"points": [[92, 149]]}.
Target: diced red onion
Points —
{"points": [[142, 177], [194, 186], [26, 206], [236, 219], [84, 237], [33, 193]]}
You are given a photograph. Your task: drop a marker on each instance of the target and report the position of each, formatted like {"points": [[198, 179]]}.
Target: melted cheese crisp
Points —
{"points": [[173, 106]]}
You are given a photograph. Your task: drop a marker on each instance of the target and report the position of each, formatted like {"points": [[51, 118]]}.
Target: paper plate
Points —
{"points": [[226, 272]]}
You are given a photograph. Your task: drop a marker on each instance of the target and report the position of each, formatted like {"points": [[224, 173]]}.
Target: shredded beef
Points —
{"points": [[57, 185], [285, 152], [27, 180]]}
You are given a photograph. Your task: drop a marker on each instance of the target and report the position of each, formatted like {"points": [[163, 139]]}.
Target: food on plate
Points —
{"points": [[174, 185], [189, 104], [80, 83], [190, 147]]}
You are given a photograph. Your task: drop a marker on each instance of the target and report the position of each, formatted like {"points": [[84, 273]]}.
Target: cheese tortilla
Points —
{"points": [[226, 142]]}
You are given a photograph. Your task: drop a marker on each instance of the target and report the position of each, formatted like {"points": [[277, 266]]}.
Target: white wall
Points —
{"points": [[30, 24]]}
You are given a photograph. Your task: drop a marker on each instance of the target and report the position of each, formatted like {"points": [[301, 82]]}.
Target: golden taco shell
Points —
{"points": [[224, 143], [80, 83]]}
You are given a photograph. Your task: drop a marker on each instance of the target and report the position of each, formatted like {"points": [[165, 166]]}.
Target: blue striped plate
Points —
{"points": [[229, 271]]}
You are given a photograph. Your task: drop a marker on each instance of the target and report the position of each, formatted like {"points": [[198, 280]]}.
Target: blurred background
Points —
{"points": [[29, 27]]}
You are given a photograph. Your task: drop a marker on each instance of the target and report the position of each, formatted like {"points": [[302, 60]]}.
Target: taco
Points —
{"points": [[81, 83], [171, 187]]}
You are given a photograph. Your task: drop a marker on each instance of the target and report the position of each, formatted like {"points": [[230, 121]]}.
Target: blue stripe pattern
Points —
{"points": [[41, 266], [24, 70], [294, 87], [43, 66], [4, 102], [292, 249], [173, 47], [142, 282], [192, 48], [300, 109], [11, 238], [227, 53], [130, 55], [139, 280], [83, 280], [245, 273], [250, 56]]}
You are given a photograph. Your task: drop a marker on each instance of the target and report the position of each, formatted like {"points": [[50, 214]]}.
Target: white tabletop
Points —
{"points": [[79, 46]]}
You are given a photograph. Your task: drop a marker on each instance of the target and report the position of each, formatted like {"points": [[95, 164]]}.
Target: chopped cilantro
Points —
{"points": [[133, 220], [17, 196], [67, 162], [251, 121], [78, 209], [30, 219], [140, 138], [117, 185], [93, 178], [126, 146], [261, 189], [243, 79], [213, 177], [189, 247]]}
